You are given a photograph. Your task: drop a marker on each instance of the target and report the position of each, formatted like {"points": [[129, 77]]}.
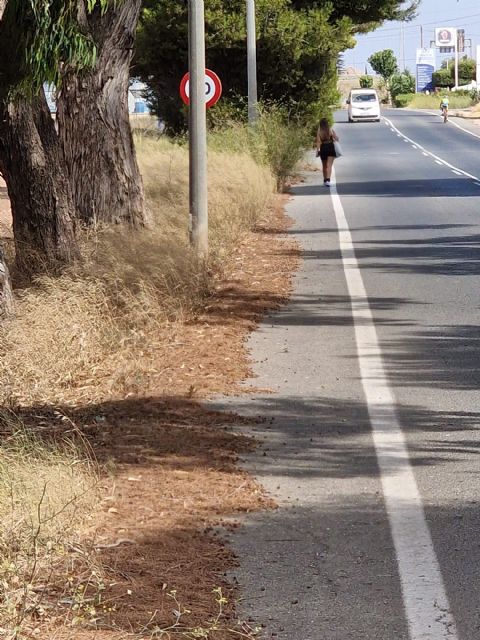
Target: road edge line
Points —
{"points": [[433, 155], [439, 115], [425, 600]]}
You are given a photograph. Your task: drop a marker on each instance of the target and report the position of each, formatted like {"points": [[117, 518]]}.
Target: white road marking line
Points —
{"points": [[414, 146], [455, 124], [426, 154], [435, 157], [425, 600], [477, 183], [441, 163], [457, 173]]}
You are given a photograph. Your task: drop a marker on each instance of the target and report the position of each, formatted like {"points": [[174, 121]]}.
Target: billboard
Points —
{"points": [[425, 68], [446, 38]]}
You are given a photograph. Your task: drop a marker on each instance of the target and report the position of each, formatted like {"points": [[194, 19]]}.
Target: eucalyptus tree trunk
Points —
{"points": [[31, 163], [38, 187], [94, 124], [6, 296]]}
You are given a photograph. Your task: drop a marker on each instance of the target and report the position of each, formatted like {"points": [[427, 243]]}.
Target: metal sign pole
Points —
{"points": [[252, 63], [478, 65], [197, 129], [456, 59]]}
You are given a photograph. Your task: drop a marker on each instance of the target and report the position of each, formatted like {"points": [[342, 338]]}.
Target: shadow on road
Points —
{"points": [[324, 437], [427, 188], [388, 227], [335, 310]]}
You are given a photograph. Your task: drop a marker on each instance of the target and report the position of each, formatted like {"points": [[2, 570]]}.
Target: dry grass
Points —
{"points": [[139, 316], [82, 336], [47, 497]]}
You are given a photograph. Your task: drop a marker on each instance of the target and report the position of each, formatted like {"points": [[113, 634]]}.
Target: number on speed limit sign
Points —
{"points": [[213, 88]]}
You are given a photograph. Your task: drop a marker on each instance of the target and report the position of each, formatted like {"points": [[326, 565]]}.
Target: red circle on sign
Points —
{"points": [[213, 88]]}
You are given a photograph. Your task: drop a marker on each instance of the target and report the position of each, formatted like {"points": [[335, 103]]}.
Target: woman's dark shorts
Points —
{"points": [[327, 150]]}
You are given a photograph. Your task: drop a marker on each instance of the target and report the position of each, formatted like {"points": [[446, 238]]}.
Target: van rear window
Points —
{"points": [[364, 97]]}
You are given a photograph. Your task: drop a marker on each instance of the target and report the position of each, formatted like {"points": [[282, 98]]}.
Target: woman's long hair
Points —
{"points": [[325, 130]]}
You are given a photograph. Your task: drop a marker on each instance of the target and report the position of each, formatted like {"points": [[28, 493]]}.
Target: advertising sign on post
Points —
{"points": [[425, 68], [446, 37]]}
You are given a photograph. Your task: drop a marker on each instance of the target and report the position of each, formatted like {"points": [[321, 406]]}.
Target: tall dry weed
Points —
{"points": [[47, 495], [82, 336]]}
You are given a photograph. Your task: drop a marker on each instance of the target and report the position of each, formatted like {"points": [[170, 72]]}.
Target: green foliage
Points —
{"points": [[298, 45], [38, 37], [278, 141], [297, 53], [384, 63], [366, 82], [403, 99], [442, 78], [467, 71], [282, 143], [402, 83]]}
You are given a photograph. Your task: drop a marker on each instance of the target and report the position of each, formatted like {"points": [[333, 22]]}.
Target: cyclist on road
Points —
{"points": [[444, 107]]}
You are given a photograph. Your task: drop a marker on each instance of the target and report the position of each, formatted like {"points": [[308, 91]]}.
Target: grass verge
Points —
{"points": [[95, 332], [140, 317], [422, 101]]}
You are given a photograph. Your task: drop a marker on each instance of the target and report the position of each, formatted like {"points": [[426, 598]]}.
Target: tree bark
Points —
{"points": [[6, 295], [38, 187], [94, 124]]}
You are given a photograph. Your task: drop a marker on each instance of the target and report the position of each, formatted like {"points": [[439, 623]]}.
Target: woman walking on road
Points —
{"points": [[326, 138]]}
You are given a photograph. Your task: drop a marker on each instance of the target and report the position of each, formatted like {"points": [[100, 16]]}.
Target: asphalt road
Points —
{"points": [[371, 444]]}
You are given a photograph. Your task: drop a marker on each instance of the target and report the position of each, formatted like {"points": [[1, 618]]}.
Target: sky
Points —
{"points": [[462, 14]]}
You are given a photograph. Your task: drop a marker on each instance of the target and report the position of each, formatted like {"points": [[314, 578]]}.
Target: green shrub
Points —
{"points": [[277, 141], [282, 143], [403, 100], [402, 84], [366, 82]]}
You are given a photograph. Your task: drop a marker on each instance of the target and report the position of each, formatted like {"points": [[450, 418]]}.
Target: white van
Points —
{"points": [[363, 104]]}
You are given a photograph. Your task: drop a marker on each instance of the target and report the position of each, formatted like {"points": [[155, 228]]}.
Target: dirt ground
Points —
{"points": [[169, 464]]}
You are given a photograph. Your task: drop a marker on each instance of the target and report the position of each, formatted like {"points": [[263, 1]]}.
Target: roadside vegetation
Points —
{"points": [[458, 100], [48, 499], [87, 323], [98, 332]]}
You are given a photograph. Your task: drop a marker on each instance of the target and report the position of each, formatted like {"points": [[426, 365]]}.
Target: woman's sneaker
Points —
{"points": [[326, 183]]}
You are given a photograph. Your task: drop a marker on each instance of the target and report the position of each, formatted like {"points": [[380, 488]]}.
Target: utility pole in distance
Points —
{"points": [[456, 58], [197, 129], [252, 63]]}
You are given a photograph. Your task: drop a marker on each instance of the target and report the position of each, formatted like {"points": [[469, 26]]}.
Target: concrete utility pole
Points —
{"points": [[252, 63], [197, 129], [401, 47], [456, 60]]}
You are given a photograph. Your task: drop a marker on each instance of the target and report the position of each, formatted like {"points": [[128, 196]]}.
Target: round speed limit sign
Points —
{"points": [[213, 88]]}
